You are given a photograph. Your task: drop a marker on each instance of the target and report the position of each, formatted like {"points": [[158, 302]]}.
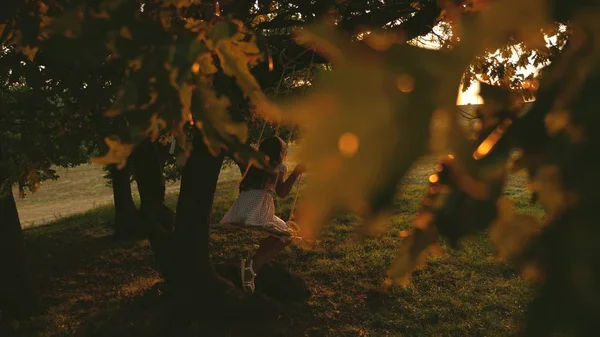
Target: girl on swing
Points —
{"points": [[255, 207]]}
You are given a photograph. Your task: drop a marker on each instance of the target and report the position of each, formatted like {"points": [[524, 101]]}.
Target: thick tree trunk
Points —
{"points": [[17, 298], [196, 274], [127, 221], [157, 218]]}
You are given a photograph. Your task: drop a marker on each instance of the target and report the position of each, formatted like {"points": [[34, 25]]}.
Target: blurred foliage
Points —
{"points": [[364, 120]]}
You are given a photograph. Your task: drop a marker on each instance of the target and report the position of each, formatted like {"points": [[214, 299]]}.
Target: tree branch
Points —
{"points": [[376, 18], [422, 22]]}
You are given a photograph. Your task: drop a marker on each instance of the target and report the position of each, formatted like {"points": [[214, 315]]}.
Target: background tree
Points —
{"points": [[40, 126]]}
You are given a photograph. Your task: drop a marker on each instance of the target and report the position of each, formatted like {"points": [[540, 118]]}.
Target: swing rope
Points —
{"points": [[289, 137]]}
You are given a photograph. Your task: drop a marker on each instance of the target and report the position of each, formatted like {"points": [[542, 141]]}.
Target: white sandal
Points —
{"points": [[247, 285]]}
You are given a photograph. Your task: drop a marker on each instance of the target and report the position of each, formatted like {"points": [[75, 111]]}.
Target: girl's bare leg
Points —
{"points": [[268, 249]]}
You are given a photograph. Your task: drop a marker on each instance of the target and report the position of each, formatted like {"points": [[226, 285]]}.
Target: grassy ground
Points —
{"points": [[91, 285]]}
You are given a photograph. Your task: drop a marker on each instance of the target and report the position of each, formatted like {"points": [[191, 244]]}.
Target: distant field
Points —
{"points": [[78, 190], [81, 189]]}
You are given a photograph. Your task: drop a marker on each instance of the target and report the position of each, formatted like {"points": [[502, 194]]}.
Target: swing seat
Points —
{"points": [[276, 232]]}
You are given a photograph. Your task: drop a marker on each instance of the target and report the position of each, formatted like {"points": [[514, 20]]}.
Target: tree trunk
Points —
{"points": [[17, 298], [127, 221], [157, 218], [196, 274]]}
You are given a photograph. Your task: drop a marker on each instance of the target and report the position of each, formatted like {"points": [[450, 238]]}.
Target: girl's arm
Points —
{"points": [[284, 187]]}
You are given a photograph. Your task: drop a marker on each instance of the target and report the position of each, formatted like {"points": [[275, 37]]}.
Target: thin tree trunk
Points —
{"points": [[155, 215], [127, 221], [167, 215], [17, 297]]}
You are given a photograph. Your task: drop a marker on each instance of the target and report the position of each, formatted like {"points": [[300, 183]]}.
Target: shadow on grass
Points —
{"points": [[93, 285], [279, 297]]}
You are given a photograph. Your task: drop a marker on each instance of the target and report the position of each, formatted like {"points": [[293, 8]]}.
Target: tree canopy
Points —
{"points": [[365, 120]]}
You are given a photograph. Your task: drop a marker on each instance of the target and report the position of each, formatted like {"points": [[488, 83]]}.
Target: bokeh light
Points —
{"points": [[348, 144], [405, 83]]}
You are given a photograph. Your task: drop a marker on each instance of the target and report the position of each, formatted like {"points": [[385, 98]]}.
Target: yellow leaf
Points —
{"points": [[194, 25], [30, 52], [556, 121], [206, 65], [196, 67], [136, 64], [218, 115], [492, 139], [126, 33], [576, 133], [118, 153], [247, 47], [235, 64], [102, 14]]}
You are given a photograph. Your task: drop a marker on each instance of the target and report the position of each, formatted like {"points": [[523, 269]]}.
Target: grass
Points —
{"points": [[91, 285]]}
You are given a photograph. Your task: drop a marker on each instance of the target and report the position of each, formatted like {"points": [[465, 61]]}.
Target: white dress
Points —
{"points": [[256, 209]]}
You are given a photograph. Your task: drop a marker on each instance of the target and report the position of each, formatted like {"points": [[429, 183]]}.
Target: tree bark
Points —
{"points": [[17, 297], [127, 221], [196, 273], [420, 24], [156, 217]]}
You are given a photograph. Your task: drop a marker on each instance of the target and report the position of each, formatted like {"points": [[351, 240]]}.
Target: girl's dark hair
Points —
{"points": [[255, 178]]}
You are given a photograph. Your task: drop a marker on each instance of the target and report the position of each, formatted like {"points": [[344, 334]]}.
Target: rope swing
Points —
{"points": [[278, 89]]}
